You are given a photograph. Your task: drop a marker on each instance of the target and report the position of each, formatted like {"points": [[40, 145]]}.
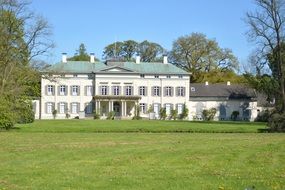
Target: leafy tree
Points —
{"points": [[129, 49], [209, 115], [173, 114], [185, 112], [81, 54], [162, 113], [23, 36], [195, 53], [150, 51], [114, 50]]}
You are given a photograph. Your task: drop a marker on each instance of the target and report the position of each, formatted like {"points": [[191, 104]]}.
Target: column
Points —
{"points": [[125, 108], [99, 108], [112, 104]]}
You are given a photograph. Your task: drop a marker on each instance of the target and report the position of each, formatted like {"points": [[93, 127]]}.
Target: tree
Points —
{"points": [[266, 28], [150, 51], [81, 54], [195, 53], [23, 36]]}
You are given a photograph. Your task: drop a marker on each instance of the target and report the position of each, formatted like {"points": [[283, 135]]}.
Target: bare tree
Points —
{"points": [[267, 30], [23, 36]]}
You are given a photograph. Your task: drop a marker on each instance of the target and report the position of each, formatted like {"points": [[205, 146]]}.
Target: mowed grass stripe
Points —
{"points": [[104, 126]]}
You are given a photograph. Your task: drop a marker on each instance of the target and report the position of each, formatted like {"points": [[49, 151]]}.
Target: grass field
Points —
{"points": [[76, 154]]}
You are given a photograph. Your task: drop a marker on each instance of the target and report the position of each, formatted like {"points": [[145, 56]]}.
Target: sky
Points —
{"points": [[97, 23]]}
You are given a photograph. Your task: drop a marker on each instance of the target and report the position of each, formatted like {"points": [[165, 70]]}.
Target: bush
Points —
{"points": [[162, 113], [209, 115], [111, 115], [173, 114], [7, 119], [276, 122], [54, 114], [137, 113], [96, 114], [234, 115], [23, 110], [184, 113], [263, 116]]}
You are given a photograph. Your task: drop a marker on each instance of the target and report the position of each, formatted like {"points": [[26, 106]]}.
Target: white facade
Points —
{"points": [[112, 89]]}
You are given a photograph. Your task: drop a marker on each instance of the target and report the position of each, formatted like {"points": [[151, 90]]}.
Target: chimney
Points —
{"points": [[206, 83], [165, 61], [138, 59], [64, 58], [228, 83], [92, 58]]}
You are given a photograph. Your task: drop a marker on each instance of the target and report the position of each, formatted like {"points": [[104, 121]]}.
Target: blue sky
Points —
{"points": [[97, 23]]}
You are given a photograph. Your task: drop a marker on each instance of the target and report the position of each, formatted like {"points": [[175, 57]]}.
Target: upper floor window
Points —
{"points": [[62, 90], [180, 76], [142, 90], [180, 91], [75, 90], [50, 90], [129, 90], [168, 76], [143, 108], [75, 75], [142, 75], [168, 91], [89, 90], [116, 90], [104, 90], [156, 76], [156, 91]]}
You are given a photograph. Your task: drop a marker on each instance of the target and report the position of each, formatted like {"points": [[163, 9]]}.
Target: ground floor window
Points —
{"points": [[62, 107], [74, 107], [49, 107], [143, 108], [168, 108], [179, 109], [156, 108]]}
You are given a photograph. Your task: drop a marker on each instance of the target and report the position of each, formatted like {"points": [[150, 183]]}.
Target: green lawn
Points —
{"points": [[74, 155]]}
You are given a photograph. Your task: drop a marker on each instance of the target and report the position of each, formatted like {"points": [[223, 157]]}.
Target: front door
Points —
{"points": [[116, 108]]}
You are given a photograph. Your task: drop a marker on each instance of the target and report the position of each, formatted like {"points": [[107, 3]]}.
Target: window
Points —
{"points": [[50, 90], [142, 90], [62, 75], [180, 91], [143, 108], [142, 75], [168, 108], [90, 76], [89, 90], [88, 108], [168, 76], [62, 90], [116, 90], [193, 89], [75, 90], [74, 107], [156, 109], [75, 75], [156, 91], [129, 90], [104, 90], [180, 76], [168, 91], [156, 76], [62, 108], [179, 108], [49, 107]]}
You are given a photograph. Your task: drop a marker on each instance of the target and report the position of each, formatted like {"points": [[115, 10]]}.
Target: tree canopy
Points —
{"points": [[195, 53], [81, 54]]}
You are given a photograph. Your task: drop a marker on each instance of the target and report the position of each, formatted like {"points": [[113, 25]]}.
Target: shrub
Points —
{"points": [[234, 115], [209, 115], [96, 114], [54, 114], [111, 115], [276, 122], [173, 114], [184, 113], [137, 113], [162, 113], [23, 110], [263, 116], [7, 119], [67, 115], [150, 109]]}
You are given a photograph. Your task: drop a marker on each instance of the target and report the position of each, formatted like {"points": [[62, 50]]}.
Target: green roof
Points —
{"points": [[87, 67]]}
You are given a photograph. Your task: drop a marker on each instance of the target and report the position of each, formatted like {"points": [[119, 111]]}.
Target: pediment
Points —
{"points": [[116, 69]]}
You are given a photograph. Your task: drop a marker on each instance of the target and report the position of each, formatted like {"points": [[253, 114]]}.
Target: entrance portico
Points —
{"points": [[123, 106]]}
